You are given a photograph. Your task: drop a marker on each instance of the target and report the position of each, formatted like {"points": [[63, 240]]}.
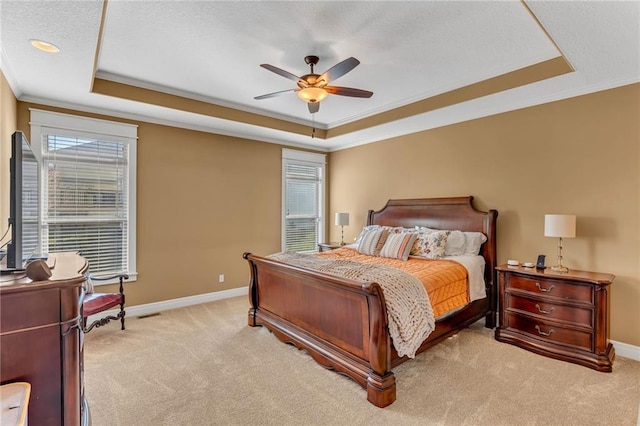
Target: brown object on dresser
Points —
{"points": [[342, 323], [560, 315], [41, 340], [328, 246], [38, 270]]}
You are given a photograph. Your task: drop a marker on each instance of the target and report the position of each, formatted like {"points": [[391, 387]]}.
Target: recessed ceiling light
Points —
{"points": [[44, 46]]}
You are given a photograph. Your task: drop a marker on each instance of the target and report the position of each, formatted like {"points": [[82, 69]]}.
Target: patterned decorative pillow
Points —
{"points": [[372, 241], [391, 229], [398, 246], [459, 243], [431, 244], [365, 230]]}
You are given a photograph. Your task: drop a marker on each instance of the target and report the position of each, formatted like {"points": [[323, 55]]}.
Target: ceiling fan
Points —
{"points": [[313, 88]]}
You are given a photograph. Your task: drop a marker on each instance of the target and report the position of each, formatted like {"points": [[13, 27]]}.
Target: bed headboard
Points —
{"points": [[444, 213]]}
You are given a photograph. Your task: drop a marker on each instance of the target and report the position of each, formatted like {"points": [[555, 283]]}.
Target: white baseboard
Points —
{"points": [[626, 350], [622, 349], [165, 305]]}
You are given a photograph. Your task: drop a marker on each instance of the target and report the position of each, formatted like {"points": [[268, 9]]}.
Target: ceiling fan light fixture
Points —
{"points": [[312, 94]]}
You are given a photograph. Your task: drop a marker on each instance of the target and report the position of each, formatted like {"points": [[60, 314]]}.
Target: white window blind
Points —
{"points": [[86, 200], [86, 197], [303, 200]]}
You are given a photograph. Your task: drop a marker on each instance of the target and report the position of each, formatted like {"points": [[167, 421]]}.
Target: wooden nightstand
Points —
{"points": [[560, 315], [328, 246]]}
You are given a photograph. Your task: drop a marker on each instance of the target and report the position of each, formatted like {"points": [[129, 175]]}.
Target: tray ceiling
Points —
{"points": [[196, 64]]}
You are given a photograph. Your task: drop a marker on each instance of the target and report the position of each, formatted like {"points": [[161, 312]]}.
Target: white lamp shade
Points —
{"points": [[342, 219], [560, 225]]}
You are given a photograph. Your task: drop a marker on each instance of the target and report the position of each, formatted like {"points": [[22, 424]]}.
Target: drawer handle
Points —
{"points": [[546, 290], [542, 311], [542, 333]]}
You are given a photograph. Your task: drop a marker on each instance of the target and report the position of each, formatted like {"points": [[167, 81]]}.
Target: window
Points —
{"points": [[303, 187], [87, 189]]}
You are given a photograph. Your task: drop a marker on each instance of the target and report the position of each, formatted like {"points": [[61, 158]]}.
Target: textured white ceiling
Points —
{"points": [[211, 50], [408, 51]]}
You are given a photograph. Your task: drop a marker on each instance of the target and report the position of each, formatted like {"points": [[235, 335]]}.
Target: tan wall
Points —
{"points": [[579, 156], [203, 200], [8, 121]]}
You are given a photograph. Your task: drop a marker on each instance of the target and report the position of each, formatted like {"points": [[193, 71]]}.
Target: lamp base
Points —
{"points": [[560, 269]]}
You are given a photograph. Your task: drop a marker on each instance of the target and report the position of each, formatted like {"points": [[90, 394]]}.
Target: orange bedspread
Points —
{"points": [[445, 280]]}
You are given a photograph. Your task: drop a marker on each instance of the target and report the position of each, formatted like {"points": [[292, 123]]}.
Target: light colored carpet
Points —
{"points": [[203, 365]]}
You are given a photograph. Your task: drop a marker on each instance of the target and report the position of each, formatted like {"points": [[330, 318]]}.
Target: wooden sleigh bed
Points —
{"points": [[342, 323]]}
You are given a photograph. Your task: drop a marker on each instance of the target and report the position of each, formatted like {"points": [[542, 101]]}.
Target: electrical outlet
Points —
{"points": [[221, 278]]}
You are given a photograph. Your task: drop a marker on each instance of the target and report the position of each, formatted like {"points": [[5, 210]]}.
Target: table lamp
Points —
{"points": [[342, 220], [560, 226]]}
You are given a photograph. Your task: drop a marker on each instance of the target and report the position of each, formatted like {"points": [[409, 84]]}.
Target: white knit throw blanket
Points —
{"points": [[409, 312]]}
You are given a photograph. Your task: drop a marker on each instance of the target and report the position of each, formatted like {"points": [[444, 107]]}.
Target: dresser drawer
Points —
{"points": [[549, 333], [547, 310], [563, 290], [29, 309]]}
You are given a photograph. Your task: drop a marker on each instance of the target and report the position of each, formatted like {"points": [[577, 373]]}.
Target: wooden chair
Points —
{"points": [[95, 303]]}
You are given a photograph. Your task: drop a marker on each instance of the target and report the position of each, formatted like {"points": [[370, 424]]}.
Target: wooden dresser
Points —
{"points": [[560, 315], [41, 340]]}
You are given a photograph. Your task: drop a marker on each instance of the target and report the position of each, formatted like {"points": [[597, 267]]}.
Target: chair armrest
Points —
{"points": [[121, 278]]}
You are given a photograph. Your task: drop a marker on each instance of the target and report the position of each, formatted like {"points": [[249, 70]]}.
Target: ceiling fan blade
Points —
{"points": [[348, 91], [271, 95], [339, 69], [314, 107], [285, 74]]}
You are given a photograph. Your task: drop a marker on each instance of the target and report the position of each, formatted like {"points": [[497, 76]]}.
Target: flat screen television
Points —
{"points": [[24, 204]]}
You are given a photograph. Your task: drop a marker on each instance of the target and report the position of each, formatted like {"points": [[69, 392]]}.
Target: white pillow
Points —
{"points": [[456, 244], [473, 241]]}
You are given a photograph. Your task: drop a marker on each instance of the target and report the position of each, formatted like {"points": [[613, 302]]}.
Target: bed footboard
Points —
{"points": [[341, 323]]}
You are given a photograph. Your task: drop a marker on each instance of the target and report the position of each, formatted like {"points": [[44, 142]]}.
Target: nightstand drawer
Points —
{"points": [[550, 333], [546, 310], [563, 290]]}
